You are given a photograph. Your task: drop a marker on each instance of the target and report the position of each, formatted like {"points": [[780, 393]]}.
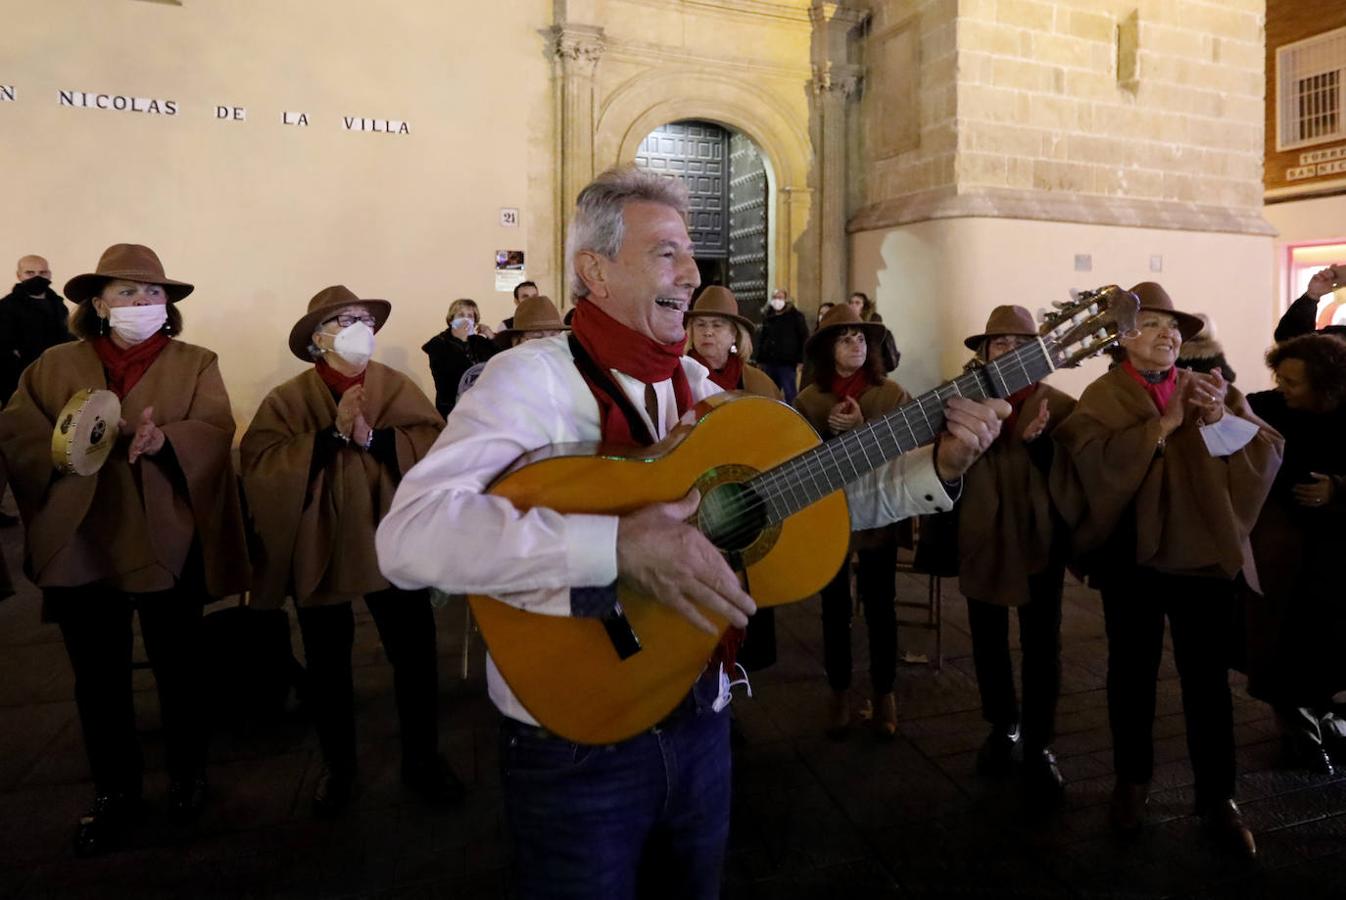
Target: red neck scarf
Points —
{"points": [[1016, 401], [730, 377], [126, 367], [611, 345], [335, 380], [852, 385], [1160, 391]]}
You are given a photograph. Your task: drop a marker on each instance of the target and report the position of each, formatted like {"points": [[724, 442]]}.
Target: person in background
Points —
{"points": [[1297, 629], [321, 461], [522, 291], [157, 531], [823, 310], [779, 343], [33, 317], [456, 349], [1160, 479], [1302, 316], [850, 388], [1203, 353], [863, 307], [536, 318], [1011, 553]]}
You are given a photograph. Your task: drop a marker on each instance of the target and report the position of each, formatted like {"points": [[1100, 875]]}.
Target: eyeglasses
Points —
{"points": [[346, 321]]}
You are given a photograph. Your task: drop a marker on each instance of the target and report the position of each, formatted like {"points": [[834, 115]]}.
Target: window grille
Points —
{"points": [[1309, 82]]}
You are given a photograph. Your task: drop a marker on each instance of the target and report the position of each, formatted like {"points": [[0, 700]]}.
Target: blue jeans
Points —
{"points": [[786, 376], [597, 821]]}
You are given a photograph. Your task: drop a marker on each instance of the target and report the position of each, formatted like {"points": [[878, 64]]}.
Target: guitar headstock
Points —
{"points": [[1088, 324]]}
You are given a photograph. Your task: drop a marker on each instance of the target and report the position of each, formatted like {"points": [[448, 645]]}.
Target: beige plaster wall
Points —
{"points": [[1302, 221], [259, 215], [935, 282]]}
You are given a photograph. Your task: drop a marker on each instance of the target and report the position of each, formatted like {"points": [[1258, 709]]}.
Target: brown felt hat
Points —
{"points": [[1004, 320], [720, 302], [839, 317], [323, 306], [536, 314], [129, 262], [1153, 297]]}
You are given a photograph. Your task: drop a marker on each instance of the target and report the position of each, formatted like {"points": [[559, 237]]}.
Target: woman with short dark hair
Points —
{"points": [[850, 387], [1297, 627]]}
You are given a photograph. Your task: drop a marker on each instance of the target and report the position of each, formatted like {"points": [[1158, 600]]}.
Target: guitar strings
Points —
{"points": [[777, 482]]}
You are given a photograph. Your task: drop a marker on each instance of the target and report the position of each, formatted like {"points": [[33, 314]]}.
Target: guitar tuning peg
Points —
{"points": [[1060, 304], [1074, 295]]}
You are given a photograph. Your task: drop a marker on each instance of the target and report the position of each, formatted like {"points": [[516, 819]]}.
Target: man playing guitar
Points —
{"points": [[583, 817]]}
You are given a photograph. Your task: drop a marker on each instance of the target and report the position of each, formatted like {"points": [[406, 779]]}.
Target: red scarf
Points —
{"points": [[126, 367], [1160, 391], [611, 345], [852, 385], [335, 380], [730, 377], [1016, 401]]}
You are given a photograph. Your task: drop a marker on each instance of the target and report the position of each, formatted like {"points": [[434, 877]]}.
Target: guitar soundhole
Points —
{"points": [[732, 516]]}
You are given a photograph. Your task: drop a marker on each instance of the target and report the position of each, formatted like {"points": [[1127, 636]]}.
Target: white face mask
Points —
{"points": [[134, 324], [463, 322], [777, 303], [355, 344]]}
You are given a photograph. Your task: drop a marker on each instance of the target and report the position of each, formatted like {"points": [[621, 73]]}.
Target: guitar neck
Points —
{"points": [[807, 478]]}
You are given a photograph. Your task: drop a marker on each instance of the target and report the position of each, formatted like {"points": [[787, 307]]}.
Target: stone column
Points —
{"points": [[576, 50], [835, 83]]}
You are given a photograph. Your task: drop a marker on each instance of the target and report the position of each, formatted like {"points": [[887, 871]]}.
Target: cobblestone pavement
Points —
{"points": [[812, 817]]}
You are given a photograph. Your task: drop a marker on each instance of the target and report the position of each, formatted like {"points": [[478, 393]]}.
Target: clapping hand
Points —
{"points": [[844, 416], [1038, 425], [1317, 492], [148, 438], [1206, 395]]}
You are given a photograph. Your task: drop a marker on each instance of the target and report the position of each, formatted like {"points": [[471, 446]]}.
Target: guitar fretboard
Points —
{"points": [[807, 478]]}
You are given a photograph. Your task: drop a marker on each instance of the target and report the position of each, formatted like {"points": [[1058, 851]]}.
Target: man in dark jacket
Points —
{"points": [[1302, 316], [32, 318], [780, 343]]}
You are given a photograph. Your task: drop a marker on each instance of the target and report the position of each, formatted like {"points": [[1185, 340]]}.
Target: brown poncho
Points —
{"points": [[131, 527], [317, 537], [876, 401], [1005, 517], [1184, 511]]}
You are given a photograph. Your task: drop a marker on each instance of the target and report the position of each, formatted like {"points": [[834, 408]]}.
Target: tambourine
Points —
{"points": [[86, 430]]}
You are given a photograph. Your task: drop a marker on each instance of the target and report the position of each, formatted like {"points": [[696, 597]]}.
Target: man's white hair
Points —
{"points": [[598, 226]]}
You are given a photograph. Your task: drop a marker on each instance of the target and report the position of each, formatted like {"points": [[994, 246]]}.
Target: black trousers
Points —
{"points": [[406, 627], [1200, 616], [1040, 642], [95, 623], [875, 581]]}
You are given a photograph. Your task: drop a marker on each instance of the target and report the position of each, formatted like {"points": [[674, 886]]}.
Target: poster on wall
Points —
{"points": [[509, 270]]}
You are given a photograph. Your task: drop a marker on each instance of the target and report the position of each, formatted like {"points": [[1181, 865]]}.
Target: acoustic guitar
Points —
{"points": [[771, 501]]}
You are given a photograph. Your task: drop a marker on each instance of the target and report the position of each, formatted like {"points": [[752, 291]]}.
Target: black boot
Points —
{"points": [[1225, 822], [996, 755], [186, 797], [434, 780], [333, 793], [104, 826], [1042, 777]]}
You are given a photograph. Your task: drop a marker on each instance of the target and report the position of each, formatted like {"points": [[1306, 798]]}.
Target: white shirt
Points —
{"points": [[444, 532]]}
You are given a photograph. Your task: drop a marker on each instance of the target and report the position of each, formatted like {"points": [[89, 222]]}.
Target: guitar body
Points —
{"points": [[566, 671]]}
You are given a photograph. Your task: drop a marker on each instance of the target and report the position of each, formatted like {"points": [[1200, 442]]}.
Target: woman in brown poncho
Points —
{"points": [[321, 461], [720, 338], [1163, 475], [157, 530], [1012, 556], [849, 388]]}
